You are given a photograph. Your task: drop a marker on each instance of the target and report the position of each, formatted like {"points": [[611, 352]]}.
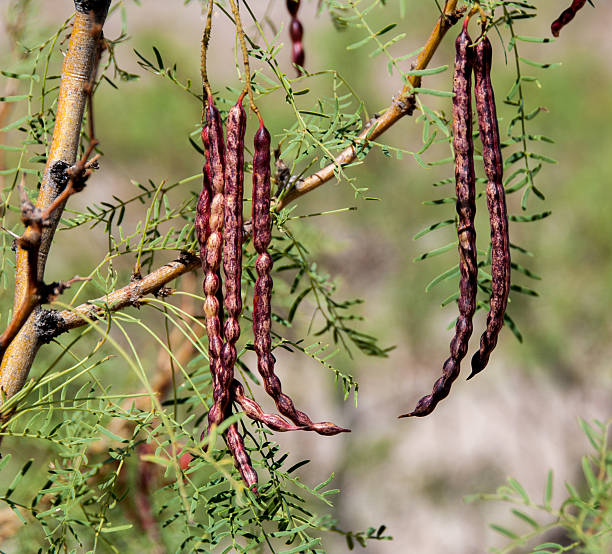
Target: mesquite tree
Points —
{"points": [[188, 490]]}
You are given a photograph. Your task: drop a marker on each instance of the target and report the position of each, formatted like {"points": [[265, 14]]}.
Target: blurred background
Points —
{"points": [[518, 418]]}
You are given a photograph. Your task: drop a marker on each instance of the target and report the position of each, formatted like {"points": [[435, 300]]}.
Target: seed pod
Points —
{"points": [[296, 33], [242, 460], [496, 202], [566, 16], [262, 234], [466, 209], [214, 244], [255, 412], [232, 260], [202, 218]]}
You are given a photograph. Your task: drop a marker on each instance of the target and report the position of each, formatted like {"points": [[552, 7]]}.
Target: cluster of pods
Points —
{"points": [[475, 58], [219, 229]]}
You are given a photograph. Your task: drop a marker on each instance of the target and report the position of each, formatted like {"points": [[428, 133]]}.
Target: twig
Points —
{"points": [[401, 106], [245, 56]]}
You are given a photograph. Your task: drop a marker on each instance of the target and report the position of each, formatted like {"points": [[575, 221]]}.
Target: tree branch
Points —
{"points": [[51, 323], [402, 105], [77, 71], [44, 325]]}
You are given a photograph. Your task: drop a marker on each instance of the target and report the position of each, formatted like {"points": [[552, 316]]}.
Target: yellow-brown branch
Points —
{"points": [[390, 116]]}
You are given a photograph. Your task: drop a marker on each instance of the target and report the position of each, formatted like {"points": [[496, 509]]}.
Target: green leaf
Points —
{"points": [[433, 227], [519, 488], [448, 274], [432, 92], [504, 531], [424, 72], [548, 493], [529, 218], [436, 252], [296, 304], [527, 519]]}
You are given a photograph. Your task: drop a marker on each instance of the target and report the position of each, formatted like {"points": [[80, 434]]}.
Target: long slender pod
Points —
{"points": [[213, 250], [566, 16], [496, 202], [465, 181], [242, 460], [202, 219], [262, 234], [232, 259], [253, 410]]}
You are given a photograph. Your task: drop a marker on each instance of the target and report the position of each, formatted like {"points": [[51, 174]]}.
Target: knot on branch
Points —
{"points": [[48, 324], [186, 258], [451, 19], [59, 175], [406, 104]]}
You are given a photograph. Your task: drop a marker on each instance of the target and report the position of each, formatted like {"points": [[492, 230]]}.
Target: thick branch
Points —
{"points": [[76, 74], [51, 323], [400, 107]]}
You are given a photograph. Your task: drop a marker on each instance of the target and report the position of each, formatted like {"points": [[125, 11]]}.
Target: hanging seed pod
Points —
{"points": [[242, 460], [262, 233], [296, 33], [232, 259], [214, 245], [496, 202], [253, 410], [566, 16], [202, 218], [466, 209]]}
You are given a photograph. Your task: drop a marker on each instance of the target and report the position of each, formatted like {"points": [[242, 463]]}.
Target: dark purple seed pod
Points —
{"points": [[202, 218], [214, 244], [242, 460], [566, 16], [262, 233], [293, 6], [232, 259], [465, 180], [496, 202], [296, 33]]}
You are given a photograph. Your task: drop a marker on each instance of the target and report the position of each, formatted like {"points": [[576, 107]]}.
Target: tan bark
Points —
{"points": [[76, 73]]}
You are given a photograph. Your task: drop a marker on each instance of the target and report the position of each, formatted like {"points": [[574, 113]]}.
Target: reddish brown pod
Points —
{"points": [[232, 259], [262, 314], [465, 181], [296, 33], [496, 202], [242, 460], [566, 16], [214, 246], [202, 218]]}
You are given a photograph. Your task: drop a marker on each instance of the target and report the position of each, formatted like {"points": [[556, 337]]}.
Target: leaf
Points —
{"points": [[424, 72], [519, 488], [527, 519], [548, 493], [296, 303], [504, 531], [443, 93], [448, 274], [433, 227], [436, 252], [529, 218]]}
